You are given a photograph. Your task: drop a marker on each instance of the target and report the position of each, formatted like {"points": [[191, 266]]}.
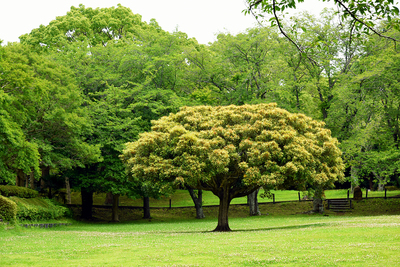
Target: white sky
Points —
{"points": [[202, 19]]}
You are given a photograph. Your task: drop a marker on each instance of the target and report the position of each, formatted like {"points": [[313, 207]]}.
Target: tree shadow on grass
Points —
{"points": [[288, 227]]}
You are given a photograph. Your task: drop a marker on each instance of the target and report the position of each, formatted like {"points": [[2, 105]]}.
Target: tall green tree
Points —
{"points": [[329, 50], [233, 150], [367, 111], [130, 72], [43, 105]]}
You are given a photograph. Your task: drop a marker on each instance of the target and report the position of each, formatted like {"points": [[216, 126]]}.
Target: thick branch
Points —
{"points": [[363, 23]]}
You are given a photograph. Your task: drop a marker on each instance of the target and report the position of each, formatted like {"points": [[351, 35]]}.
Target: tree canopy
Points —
{"points": [[76, 90], [233, 150], [44, 124], [363, 17]]}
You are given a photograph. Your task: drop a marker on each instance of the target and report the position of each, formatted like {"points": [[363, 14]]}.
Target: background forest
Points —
{"points": [[72, 93]]}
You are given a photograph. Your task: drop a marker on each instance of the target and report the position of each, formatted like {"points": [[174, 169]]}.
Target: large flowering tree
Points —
{"points": [[233, 150]]}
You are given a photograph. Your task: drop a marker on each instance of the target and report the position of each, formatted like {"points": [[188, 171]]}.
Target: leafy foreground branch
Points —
{"points": [[234, 150]]}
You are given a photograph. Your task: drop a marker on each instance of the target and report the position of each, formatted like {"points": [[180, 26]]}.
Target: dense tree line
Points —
{"points": [[73, 92]]}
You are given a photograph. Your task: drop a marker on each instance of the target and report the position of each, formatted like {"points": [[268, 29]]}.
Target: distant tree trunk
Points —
{"points": [[146, 208], [87, 203], [318, 206], [115, 217], [32, 180], [68, 189], [381, 187], [109, 199], [45, 175], [42, 184], [371, 183], [197, 202], [21, 177], [49, 194], [253, 203], [381, 183], [354, 178], [224, 201]]}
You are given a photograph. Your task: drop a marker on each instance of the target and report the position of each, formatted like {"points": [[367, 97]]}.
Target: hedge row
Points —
{"points": [[391, 188], [47, 210], [17, 191], [8, 209], [34, 209]]}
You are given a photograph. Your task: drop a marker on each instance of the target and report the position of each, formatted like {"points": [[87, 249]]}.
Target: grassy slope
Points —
{"points": [[38, 201]]}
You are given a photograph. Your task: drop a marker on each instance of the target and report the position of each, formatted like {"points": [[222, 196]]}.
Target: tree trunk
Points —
{"points": [[109, 199], [87, 204], [381, 186], [381, 183], [45, 175], [115, 204], [146, 208], [49, 194], [68, 189], [318, 206], [197, 200], [253, 203], [354, 178], [21, 177], [224, 201], [371, 183], [32, 180]]}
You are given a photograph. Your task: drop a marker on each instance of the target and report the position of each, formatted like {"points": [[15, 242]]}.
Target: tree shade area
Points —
{"points": [[234, 150], [75, 91]]}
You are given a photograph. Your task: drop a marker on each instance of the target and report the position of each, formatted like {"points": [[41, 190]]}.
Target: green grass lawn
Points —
{"points": [[300, 240], [181, 198]]}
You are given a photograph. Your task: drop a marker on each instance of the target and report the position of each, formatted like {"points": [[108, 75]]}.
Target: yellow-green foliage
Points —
{"points": [[18, 191], [8, 209], [240, 147], [35, 209]]}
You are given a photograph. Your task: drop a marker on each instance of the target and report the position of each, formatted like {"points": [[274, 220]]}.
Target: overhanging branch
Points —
{"points": [[363, 23]]}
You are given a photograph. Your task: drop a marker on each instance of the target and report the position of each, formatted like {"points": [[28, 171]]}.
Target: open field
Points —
{"points": [[367, 236], [301, 240], [181, 198]]}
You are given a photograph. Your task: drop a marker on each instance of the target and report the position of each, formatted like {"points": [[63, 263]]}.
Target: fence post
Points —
{"points": [[170, 203], [273, 198], [366, 193], [348, 194], [385, 192], [299, 196]]}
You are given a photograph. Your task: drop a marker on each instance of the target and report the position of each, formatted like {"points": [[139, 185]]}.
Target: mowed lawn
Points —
{"points": [[293, 240]]}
